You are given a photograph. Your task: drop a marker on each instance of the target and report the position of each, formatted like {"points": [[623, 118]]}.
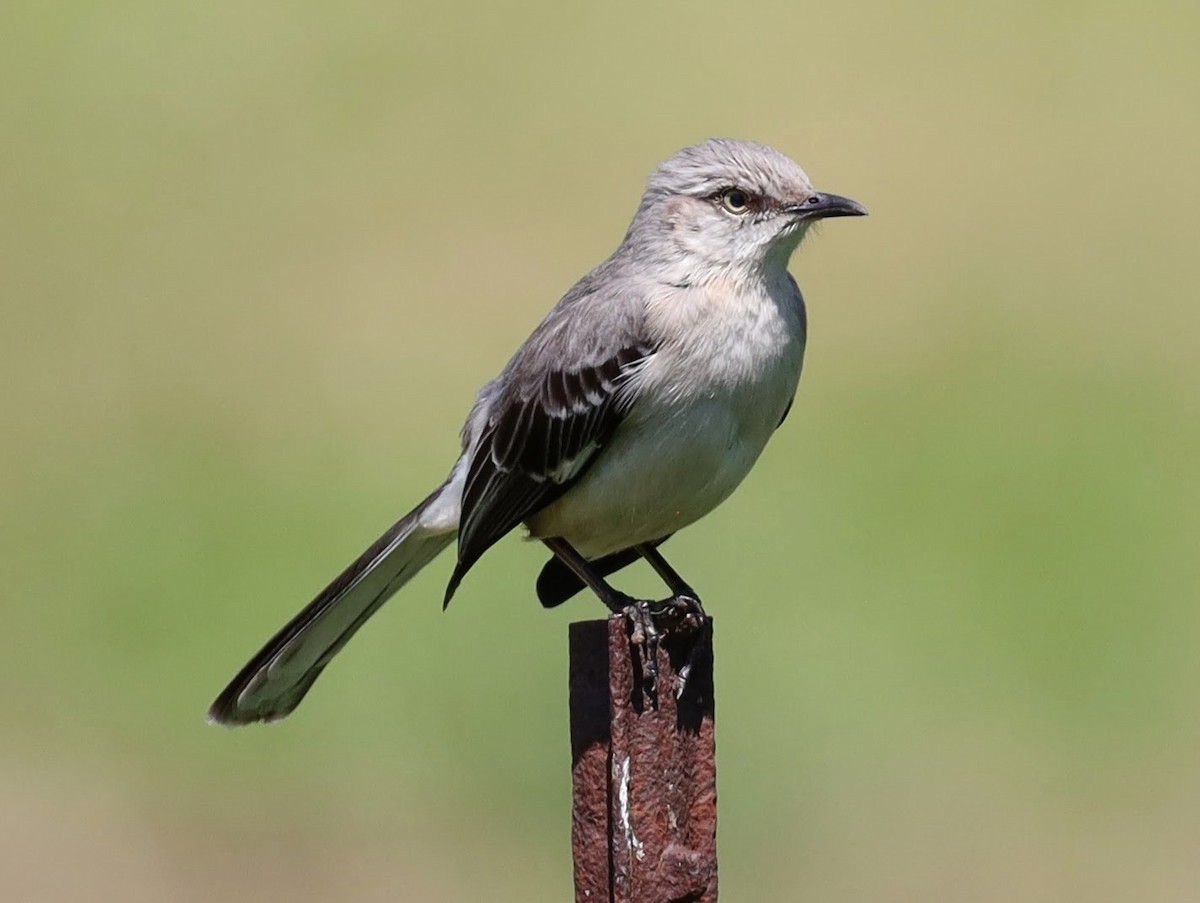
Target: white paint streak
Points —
{"points": [[626, 820]]}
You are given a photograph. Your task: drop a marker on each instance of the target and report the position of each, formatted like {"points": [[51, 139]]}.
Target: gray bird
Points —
{"points": [[635, 408]]}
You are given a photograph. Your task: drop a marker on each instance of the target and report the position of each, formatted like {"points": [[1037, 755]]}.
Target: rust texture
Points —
{"points": [[644, 825]]}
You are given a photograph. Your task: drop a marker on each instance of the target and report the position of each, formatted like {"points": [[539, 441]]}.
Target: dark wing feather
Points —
{"points": [[540, 437], [786, 411]]}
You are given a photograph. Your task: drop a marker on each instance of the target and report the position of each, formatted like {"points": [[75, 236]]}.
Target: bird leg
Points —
{"points": [[643, 632], [648, 619], [616, 601], [687, 610], [686, 605]]}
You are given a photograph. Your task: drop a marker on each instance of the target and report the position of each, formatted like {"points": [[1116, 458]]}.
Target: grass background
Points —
{"points": [[956, 601]]}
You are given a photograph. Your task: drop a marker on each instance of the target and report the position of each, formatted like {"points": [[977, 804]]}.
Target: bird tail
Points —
{"points": [[274, 682]]}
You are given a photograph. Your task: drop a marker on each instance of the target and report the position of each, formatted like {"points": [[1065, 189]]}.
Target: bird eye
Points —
{"points": [[735, 200]]}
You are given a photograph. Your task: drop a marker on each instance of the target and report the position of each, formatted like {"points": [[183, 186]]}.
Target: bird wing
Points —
{"points": [[541, 434], [541, 423]]}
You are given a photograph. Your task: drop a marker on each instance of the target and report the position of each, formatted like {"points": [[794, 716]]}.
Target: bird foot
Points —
{"points": [[652, 620]]}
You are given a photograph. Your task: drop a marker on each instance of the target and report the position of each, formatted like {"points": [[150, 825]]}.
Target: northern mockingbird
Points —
{"points": [[636, 407]]}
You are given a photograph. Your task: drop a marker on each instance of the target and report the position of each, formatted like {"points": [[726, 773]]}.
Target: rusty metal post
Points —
{"points": [[644, 826]]}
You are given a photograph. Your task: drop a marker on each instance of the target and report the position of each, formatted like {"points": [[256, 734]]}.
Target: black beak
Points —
{"points": [[821, 205]]}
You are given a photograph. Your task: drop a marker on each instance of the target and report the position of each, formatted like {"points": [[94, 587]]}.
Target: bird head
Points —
{"points": [[734, 204]]}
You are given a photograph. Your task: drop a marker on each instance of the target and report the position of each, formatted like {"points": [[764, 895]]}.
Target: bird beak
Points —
{"points": [[821, 205]]}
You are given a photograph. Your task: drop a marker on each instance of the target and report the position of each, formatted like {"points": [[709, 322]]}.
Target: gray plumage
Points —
{"points": [[637, 405]]}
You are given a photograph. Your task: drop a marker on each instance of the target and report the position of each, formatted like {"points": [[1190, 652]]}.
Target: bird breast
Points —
{"points": [[707, 402]]}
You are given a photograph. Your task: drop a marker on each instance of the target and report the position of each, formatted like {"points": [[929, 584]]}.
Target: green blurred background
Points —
{"points": [[256, 258]]}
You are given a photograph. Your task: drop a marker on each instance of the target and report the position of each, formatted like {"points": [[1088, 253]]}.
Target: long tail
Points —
{"points": [[274, 681]]}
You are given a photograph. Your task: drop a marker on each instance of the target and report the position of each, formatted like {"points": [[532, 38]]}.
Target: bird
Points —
{"points": [[636, 406]]}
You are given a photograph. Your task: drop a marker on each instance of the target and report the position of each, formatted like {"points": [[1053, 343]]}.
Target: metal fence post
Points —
{"points": [[644, 819]]}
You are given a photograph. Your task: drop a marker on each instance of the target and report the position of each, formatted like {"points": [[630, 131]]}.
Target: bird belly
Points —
{"points": [[666, 467]]}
